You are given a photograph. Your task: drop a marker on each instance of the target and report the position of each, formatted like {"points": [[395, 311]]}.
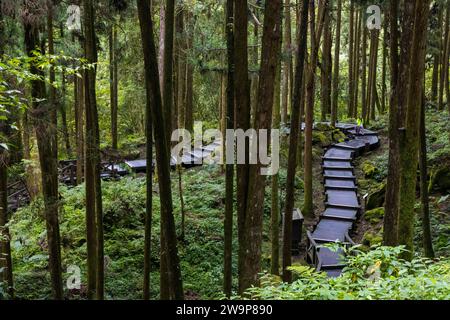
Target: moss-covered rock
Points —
{"points": [[322, 127], [322, 138], [441, 179], [338, 136], [374, 216], [371, 238], [369, 170], [376, 198]]}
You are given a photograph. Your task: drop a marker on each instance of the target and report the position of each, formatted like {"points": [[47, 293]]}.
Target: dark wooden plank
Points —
{"points": [[342, 198], [348, 214]]}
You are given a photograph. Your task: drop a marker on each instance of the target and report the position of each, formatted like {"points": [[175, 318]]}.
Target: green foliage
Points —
{"points": [[378, 274], [369, 169], [124, 208], [374, 216]]}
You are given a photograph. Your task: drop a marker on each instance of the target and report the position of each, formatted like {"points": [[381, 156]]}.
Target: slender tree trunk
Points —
{"points": [[288, 61], [364, 108], [357, 61], [384, 66], [424, 197], [162, 148], [181, 48], [167, 91], [63, 112], [256, 181], [337, 52], [162, 39], [229, 178], [326, 69], [149, 183], [392, 186], [94, 210], [113, 83], [445, 59], [45, 134], [437, 57], [242, 121], [350, 60], [79, 128], [308, 209], [372, 88], [293, 148], [409, 149], [275, 197], [189, 111]]}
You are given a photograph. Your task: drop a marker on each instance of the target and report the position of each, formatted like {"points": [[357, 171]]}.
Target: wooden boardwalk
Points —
{"points": [[342, 203]]}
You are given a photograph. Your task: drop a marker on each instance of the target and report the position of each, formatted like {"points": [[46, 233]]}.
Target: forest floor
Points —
{"points": [[201, 252]]}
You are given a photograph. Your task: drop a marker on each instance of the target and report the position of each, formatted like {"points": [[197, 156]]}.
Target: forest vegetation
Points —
{"points": [[93, 204]]}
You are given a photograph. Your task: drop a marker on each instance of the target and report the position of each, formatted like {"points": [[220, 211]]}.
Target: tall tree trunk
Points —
{"points": [[167, 91], [94, 210], [189, 111], [162, 148], [113, 83], [229, 178], [288, 61], [357, 61], [294, 140], [372, 85], [242, 121], [63, 112], [364, 108], [308, 209], [337, 52], [79, 127], [409, 149], [256, 181], [392, 186], [437, 56], [424, 197], [275, 182], [384, 64], [45, 135], [326, 68], [445, 58], [162, 39], [350, 60], [181, 72]]}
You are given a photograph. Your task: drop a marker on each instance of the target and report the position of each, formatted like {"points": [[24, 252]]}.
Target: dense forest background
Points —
{"points": [[114, 89]]}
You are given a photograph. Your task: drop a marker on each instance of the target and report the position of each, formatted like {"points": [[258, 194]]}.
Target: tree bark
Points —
{"points": [[364, 104], [256, 181], [308, 209], [162, 149], [409, 149], [337, 52], [242, 121], [424, 197], [326, 69], [288, 61], [113, 84], [229, 178], [350, 60], [294, 140], [45, 135], [445, 58], [94, 210]]}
